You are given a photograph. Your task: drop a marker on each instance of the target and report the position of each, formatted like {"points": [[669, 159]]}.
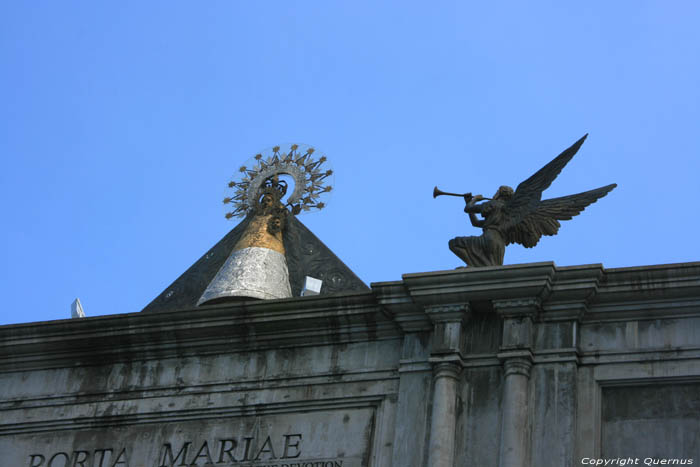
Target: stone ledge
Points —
{"points": [[202, 331]]}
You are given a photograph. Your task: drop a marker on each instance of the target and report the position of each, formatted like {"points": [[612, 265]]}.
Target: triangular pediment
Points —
{"points": [[306, 255]]}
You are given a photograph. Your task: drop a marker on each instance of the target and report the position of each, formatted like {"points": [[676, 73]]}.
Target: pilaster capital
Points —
{"points": [[448, 327], [517, 366], [516, 362], [454, 312], [446, 370]]}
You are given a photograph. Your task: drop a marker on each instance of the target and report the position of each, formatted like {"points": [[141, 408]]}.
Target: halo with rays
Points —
{"points": [[312, 179]]}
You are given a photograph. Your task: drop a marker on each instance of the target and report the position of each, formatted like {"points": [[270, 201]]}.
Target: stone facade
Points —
{"points": [[524, 365]]}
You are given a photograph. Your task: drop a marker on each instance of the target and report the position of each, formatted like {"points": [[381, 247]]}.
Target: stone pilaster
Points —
{"points": [[448, 325], [516, 355], [515, 430], [443, 420]]}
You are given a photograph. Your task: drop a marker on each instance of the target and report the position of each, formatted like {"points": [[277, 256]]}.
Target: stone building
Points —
{"points": [[522, 365]]}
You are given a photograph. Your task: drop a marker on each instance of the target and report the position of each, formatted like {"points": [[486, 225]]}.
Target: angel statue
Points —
{"points": [[519, 216]]}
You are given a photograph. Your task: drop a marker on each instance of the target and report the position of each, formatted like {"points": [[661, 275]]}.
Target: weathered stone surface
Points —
{"points": [[338, 437], [479, 421], [613, 358], [554, 414], [667, 413]]}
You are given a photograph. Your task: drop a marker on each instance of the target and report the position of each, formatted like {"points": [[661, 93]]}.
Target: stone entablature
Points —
{"points": [[509, 365]]}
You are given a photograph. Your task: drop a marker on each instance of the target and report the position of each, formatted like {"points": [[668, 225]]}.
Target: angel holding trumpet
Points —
{"points": [[519, 216]]}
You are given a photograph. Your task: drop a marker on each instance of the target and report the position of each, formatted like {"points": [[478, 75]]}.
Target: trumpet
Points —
{"points": [[438, 192]]}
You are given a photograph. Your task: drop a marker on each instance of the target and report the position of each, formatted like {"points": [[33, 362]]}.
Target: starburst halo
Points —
{"points": [[309, 169]]}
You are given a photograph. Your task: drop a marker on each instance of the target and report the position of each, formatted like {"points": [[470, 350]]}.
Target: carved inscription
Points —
{"points": [[96, 458], [324, 438], [243, 451], [230, 450]]}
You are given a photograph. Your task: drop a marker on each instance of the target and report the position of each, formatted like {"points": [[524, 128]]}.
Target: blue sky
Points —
{"points": [[123, 122]]}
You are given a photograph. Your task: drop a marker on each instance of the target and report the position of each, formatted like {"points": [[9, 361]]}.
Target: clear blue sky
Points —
{"points": [[123, 121]]}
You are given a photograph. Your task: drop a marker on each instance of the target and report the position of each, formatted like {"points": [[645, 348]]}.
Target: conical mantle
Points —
{"points": [[257, 266]]}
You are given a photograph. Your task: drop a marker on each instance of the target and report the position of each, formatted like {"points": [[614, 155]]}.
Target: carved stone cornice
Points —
{"points": [[567, 311], [518, 307], [468, 285], [573, 289], [205, 330], [394, 298]]}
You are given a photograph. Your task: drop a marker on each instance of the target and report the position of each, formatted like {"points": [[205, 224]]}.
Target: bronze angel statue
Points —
{"points": [[519, 216]]}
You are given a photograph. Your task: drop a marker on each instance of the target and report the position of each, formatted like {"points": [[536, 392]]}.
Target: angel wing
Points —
{"points": [[544, 219], [529, 193]]}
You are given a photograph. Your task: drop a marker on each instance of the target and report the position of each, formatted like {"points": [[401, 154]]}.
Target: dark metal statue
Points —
{"points": [[519, 216]]}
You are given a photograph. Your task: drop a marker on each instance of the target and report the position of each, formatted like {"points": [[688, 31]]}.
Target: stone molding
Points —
{"points": [[518, 307], [394, 298], [573, 289], [524, 354], [591, 383], [96, 415], [206, 330], [446, 370], [447, 312], [581, 293], [588, 294], [517, 366], [468, 285], [563, 311], [561, 355], [414, 366]]}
